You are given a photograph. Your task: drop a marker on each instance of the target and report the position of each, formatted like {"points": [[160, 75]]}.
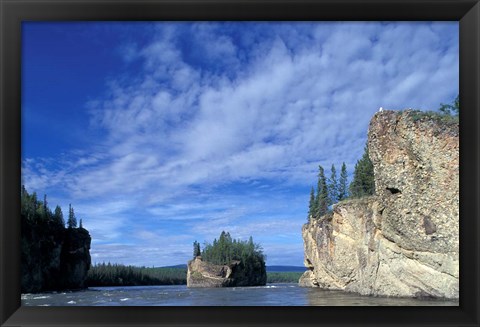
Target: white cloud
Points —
{"points": [[270, 106]]}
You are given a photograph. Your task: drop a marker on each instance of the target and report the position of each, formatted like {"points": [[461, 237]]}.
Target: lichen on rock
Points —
{"points": [[404, 240]]}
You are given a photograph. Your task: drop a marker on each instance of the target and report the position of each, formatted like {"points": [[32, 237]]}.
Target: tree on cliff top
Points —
{"points": [[43, 233], [311, 204], [58, 215], [342, 184], [363, 183], [451, 109], [333, 186], [322, 200], [72, 221]]}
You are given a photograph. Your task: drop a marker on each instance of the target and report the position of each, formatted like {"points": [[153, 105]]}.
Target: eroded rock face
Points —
{"points": [[54, 258], [404, 241], [205, 274], [75, 258]]}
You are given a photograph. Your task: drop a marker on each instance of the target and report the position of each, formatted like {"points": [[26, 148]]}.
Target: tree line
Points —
{"points": [[284, 277], [121, 275], [36, 211]]}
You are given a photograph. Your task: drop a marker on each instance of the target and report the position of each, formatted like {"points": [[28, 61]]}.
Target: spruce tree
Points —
{"points": [[322, 200], [342, 183], [81, 224], [363, 183], [45, 207], [72, 221], [196, 249], [311, 204], [58, 216], [333, 186]]}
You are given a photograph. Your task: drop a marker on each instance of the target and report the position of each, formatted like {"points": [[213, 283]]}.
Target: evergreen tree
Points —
{"points": [[322, 200], [81, 223], [45, 207], [311, 204], [58, 216], [342, 183], [363, 183], [34, 201], [226, 249], [72, 221], [333, 186], [451, 109], [196, 249]]}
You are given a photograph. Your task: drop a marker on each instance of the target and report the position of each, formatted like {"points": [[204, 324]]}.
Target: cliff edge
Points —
{"points": [[53, 257], [404, 240]]}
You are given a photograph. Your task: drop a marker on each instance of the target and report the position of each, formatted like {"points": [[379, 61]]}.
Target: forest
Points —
{"points": [[121, 275]]}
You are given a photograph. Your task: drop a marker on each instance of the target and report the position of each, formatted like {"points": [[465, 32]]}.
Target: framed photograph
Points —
{"points": [[241, 163]]}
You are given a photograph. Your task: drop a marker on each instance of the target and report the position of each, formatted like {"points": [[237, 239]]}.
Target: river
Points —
{"points": [[180, 295]]}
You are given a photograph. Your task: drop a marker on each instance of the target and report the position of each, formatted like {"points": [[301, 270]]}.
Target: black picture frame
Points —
{"points": [[14, 12]]}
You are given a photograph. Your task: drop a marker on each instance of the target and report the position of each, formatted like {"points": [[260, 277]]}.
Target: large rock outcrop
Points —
{"points": [[205, 274], [404, 240], [53, 257], [75, 258]]}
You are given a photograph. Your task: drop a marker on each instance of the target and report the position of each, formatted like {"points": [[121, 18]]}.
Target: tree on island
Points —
{"points": [[226, 249], [196, 249], [363, 183]]}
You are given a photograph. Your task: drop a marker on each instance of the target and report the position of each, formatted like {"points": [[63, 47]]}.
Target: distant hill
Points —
{"points": [[269, 268], [286, 269], [182, 266]]}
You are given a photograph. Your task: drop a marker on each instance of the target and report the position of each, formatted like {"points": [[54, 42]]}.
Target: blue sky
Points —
{"points": [[160, 134]]}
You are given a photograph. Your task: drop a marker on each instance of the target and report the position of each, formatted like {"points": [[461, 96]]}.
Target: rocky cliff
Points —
{"points": [[404, 240], [205, 274], [53, 257]]}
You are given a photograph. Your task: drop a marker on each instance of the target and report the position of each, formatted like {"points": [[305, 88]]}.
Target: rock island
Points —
{"points": [[227, 263]]}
